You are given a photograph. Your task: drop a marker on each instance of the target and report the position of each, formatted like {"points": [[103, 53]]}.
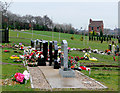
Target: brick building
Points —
{"points": [[96, 26]]}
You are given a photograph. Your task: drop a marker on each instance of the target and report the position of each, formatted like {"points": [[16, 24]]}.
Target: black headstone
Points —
{"points": [[50, 53], [56, 64], [44, 51], [40, 44]]}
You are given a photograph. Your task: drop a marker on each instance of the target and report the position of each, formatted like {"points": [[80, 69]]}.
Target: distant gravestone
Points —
{"points": [[5, 35], [113, 49], [97, 38], [110, 47], [65, 71], [32, 43]]}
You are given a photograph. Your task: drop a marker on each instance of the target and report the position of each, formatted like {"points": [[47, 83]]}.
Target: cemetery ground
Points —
{"points": [[108, 76]]}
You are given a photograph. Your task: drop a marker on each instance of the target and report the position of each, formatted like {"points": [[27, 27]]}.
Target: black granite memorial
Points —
{"points": [[50, 53], [45, 50], [5, 35], [40, 42], [56, 64]]}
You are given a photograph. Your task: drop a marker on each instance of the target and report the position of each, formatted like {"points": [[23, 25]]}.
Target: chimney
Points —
{"points": [[90, 20]]}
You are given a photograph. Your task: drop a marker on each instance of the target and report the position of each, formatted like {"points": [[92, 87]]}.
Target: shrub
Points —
{"points": [[72, 37], [81, 38]]}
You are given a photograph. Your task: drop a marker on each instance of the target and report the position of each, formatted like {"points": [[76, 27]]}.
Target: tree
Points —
{"points": [[101, 33]]}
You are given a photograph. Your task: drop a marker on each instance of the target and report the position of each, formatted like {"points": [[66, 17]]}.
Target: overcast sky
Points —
{"points": [[76, 13]]}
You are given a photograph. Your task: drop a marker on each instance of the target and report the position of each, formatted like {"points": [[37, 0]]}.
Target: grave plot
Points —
{"points": [[59, 74]]}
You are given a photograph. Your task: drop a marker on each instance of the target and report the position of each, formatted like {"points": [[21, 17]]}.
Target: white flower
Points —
{"points": [[37, 55], [22, 57], [59, 51], [58, 59], [88, 69], [84, 51], [42, 56], [26, 75], [89, 51]]}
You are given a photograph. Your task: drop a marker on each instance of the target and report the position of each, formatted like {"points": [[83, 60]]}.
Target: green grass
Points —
{"points": [[8, 71], [6, 56], [107, 76], [71, 43], [102, 59]]}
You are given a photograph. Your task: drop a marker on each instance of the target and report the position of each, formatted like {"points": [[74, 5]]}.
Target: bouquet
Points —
{"points": [[22, 78]]}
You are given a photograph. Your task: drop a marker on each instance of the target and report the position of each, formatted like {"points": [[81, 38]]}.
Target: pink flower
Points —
{"points": [[19, 77]]}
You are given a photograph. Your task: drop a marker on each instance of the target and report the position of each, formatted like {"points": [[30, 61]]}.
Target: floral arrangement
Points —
{"points": [[73, 62], [6, 51], [21, 78], [32, 64]]}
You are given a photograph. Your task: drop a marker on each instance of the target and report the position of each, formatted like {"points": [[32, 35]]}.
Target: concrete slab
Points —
{"points": [[56, 81]]}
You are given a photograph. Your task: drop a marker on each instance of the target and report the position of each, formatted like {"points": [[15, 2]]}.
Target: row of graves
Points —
{"points": [[113, 49], [102, 38], [44, 53]]}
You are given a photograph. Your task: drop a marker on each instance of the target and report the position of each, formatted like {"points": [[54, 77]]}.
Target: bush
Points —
{"points": [[72, 37], [81, 38]]}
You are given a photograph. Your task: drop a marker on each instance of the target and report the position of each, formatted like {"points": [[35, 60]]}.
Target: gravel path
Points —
{"points": [[38, 79], [3, 63], [88, 82]]}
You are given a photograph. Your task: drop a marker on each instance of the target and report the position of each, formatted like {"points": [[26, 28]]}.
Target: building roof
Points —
{"points": [[96, 23]]}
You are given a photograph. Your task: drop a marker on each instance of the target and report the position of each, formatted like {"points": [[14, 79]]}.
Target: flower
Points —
{"points": [[19, 77], [26, 75], [71, 57], [20, 43]]}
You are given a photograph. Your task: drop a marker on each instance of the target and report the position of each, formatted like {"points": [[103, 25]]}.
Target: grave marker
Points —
{"points": [[110, 47], [40, 42], [65, 71], [44, 51], [32, 43], [56, 64], [50, 53]]}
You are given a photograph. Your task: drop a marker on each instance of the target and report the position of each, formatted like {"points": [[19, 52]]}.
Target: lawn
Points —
{"points": [[45, 35], [108, 76], [7, 71], [105, 75]]}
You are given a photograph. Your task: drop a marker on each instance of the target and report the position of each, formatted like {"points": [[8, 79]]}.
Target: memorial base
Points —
{"points": [[56, 66], [68, 73], [41, 62]]}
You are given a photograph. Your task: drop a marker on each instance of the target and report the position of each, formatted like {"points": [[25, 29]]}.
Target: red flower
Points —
{"points": [[71, 57], [16, 74]]}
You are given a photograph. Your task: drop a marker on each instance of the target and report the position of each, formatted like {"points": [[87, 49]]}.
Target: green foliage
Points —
{"points": [[71, 31], [101, 33], [72, 37], [81, 39]]}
